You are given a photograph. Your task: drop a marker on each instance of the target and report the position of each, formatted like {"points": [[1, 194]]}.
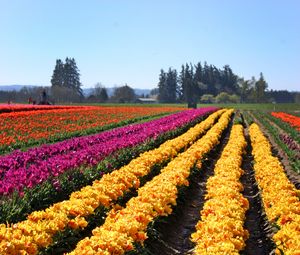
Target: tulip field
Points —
{"points": [[292, 120], [284, 129], [35, 124], [83, 180]]}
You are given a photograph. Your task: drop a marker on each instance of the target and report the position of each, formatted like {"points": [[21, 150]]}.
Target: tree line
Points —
{"points": [[125, 94], [66, 88], [121, 94], [66, 85], [192, 84], [209, 84]]}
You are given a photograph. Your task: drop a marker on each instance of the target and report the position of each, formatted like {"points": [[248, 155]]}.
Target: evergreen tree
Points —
{"points": [[260, 89], [280, 96], [205, 76], [168, 86], [217, 80], [229, 80], [58, 74], [200, 87], [72, 76], [181, 85], [171, 86], [208, 79], [190, 89], [188, 86], [211, 79], [66, 75], [162, 87]]}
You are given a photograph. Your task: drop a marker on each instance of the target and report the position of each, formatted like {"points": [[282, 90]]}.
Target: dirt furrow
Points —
{"points": [[259, 242]]}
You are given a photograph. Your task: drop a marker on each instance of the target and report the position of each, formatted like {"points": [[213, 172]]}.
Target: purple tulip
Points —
{"points": [[291, 144]]}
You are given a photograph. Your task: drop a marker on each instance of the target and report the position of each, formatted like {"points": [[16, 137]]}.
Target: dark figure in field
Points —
{"points": [[43, 99]]}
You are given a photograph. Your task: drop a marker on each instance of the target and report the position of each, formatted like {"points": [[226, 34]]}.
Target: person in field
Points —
{"points": [[44, 98]]}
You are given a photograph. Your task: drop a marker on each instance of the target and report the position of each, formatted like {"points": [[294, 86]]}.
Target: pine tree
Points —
{"points": [[260, 89], [229, 80], [189, 86], [162, 87], [181, 85], [66, 76], [208, 79], [72, 76], [171, 86], [217, 80], [192, 91], [198, 80], [58, 74]]}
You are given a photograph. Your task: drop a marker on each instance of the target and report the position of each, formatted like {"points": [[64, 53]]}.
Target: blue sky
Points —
{"points": [[129, 41]]}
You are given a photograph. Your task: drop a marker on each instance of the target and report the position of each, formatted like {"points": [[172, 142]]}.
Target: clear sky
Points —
{"points": [[129, 41]]}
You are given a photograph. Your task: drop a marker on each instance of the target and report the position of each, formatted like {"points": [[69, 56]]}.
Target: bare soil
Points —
{"points": [[259, 241]]}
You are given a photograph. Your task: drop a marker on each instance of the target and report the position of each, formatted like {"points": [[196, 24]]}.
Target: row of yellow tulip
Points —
{"points": [[279, 195], [28, 236], [220, 230], [128, 225]]}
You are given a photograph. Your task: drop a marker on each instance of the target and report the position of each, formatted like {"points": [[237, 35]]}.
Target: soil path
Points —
{"points": [[259, 242]]}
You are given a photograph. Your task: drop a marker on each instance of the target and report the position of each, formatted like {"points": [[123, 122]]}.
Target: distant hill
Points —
{"points": [[15, 87], [110, 91], [140, 92], [86, 91]]}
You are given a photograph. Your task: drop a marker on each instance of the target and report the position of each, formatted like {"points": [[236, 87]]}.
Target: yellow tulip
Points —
{"points": [[220, 230], [154, 199], [279, 195], [103, 192]]}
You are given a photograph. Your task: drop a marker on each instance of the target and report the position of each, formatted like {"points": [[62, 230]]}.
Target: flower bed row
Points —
{"points": [[59, 188], [221, 228], [291, 144], [285, 126], [292, 120], [27, 169], [19, 129], [124, 227], [4, 108], [20, 159], [280, 197], [287, 143], [40, 227]]}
